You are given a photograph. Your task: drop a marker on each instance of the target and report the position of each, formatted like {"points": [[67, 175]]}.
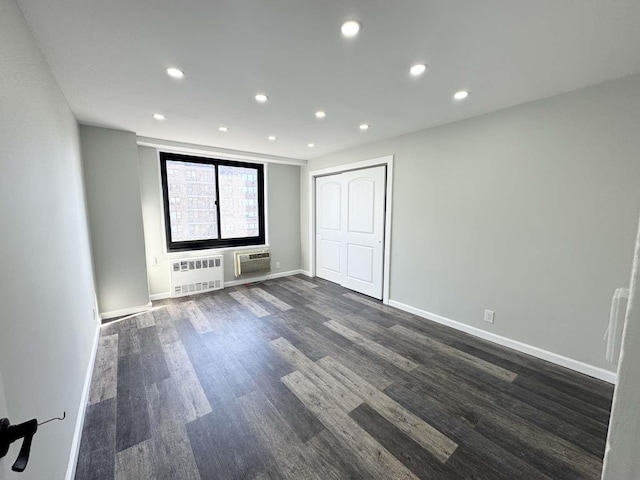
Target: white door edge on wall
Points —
{"points": [[329, 225]]}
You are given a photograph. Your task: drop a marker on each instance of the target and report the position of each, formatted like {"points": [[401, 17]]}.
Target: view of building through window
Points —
{"points": [[238, 201], [192, 201]]}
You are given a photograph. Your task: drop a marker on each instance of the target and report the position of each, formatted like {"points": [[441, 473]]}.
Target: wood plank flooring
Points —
{"points": [[298, 378]]}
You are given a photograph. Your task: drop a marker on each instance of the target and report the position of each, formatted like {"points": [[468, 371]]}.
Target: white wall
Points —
{"points": [[47, 295], [623, 443], [529, 211], [283, 220], [110, 159]]}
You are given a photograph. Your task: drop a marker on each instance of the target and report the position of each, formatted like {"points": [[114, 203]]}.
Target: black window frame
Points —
{"points": [[217, 242]]}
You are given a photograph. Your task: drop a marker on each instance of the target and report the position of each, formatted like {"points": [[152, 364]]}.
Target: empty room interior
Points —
{"points": [[321, 240]]}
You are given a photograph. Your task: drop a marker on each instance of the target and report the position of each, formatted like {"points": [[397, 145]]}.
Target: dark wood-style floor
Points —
{"points": [[298, 378]]}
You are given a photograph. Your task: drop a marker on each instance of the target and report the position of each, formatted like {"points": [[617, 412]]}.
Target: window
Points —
{"points": [[211, 203]]}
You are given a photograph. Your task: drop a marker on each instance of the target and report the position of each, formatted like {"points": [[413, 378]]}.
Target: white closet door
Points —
{"points": [[350, 229], [363, 199], [329, 228]]}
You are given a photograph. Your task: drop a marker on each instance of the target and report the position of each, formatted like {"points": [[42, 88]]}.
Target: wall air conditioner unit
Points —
{"points": [[254, 262], [196, 275]]}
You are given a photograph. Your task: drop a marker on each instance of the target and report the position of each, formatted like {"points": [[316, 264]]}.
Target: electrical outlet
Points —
{"points": [[488, 316], [277, 265]]}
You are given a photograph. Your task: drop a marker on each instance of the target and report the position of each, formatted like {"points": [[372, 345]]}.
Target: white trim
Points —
{"points": [[222, 153], [244, 281], [576, 365], [160, 296], [211, 251], [127, 317], [84, 400], [386, 282], [207, 252], [348, 167], [386, 160], [125, 311], [306, 273]]}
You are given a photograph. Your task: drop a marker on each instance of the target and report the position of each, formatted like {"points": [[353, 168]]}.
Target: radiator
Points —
{"points": [[196, 275], [613, 335], [258, 261]]}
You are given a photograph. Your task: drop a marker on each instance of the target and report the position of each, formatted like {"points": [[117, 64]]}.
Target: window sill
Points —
{"points": [[210, 251]]}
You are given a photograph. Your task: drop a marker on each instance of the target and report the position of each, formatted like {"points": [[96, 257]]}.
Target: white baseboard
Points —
{"points": [[125, 311], [160, 296], [561, 360], [271, 276], [84, 400], [306, 273]]}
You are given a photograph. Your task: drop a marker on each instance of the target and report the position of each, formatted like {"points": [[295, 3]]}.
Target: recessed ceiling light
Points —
{"points": [[223, 129], [261, 97], [364, 126], [321, 114], [418, 69], [273, 138], [175, 72], [461, 95], [158, 116], [311, 145], [350, 28]]}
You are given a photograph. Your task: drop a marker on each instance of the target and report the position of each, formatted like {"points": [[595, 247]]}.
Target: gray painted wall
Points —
{"points": [[5, 467], [621, 460], [46, 287], [110, 159], [283, 189], [530, 212], [283, 193]]}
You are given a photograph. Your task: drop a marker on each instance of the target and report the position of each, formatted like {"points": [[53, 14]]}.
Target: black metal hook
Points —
{"points": [[64, 415]]}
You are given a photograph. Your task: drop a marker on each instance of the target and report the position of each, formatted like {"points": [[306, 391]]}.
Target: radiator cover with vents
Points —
{"points": [[190, 276]]}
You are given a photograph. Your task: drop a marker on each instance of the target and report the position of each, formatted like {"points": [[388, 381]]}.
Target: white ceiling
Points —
{"points": [[109, 57]]}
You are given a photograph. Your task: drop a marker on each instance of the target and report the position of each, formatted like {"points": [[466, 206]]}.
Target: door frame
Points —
{"points": [[374, 162]]}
